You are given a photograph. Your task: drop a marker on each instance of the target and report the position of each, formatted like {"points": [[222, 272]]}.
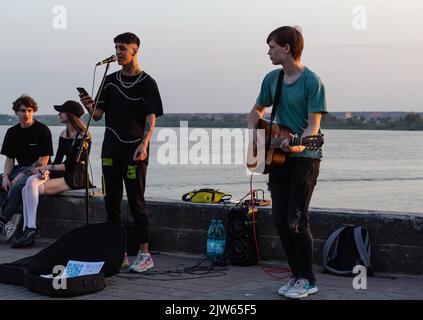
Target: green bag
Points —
{"points": [[206, 196]]}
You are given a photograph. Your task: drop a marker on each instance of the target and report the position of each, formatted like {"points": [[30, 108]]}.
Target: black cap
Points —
{"points": [[72, 107]]}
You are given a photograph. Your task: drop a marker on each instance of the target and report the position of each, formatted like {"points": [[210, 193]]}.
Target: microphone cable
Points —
{"points": [[195, 271], [269, 270]]}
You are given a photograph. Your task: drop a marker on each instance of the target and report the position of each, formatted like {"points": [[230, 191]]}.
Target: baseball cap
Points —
{"points": [[72, 107]]}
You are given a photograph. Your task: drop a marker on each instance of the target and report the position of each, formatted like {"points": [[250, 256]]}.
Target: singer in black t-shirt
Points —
{"points": [[131, 102]]}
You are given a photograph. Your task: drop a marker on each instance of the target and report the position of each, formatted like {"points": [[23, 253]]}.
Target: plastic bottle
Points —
{"points": [[220, 241], [211, 238]]}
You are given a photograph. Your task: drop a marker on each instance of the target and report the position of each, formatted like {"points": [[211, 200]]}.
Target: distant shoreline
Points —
{"points": [[335, 120]]}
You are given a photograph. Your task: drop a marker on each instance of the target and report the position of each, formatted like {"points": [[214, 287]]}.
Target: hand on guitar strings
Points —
{"points": [[286, 146]]}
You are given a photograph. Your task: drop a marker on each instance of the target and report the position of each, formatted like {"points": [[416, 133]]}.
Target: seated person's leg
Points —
{"points": [[30, 197], [14, 200], [31, 194], [4, 193], [11, 210]]}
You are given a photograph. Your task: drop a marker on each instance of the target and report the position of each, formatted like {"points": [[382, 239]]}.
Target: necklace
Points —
{"points": [[126, 84]]}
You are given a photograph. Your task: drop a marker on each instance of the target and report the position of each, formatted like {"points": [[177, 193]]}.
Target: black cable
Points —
{"points": [[209, 271]]}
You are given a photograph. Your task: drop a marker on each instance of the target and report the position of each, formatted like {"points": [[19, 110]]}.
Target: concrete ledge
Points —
{"points": [[179, 227]]}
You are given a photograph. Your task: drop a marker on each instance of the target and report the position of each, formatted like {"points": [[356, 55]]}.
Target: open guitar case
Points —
{"points": [[92, 243]]}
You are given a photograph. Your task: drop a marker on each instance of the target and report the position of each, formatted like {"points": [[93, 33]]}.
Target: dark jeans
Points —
{"points": [[133, 174], [291, 187], [12, 200]]}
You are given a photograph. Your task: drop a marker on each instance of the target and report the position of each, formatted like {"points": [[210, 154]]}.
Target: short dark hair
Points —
{"points": [[288, 35], [128, 38], [25, 100]]}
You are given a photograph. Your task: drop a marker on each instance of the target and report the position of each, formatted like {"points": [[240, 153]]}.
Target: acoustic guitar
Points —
{"points": [[262, 157]]}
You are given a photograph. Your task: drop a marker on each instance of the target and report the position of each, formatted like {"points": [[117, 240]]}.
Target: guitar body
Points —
{"points": [[263, 156], [273, 156]]}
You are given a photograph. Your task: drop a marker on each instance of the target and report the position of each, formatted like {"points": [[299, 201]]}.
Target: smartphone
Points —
{"points": [[83, 91]]}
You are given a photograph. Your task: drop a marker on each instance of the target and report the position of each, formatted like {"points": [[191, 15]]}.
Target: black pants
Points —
{"points": [[133, 174], [291, 187]]}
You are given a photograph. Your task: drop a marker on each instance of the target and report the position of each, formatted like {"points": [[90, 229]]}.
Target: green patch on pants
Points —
{"points": [[107, 162], [132, 172]]}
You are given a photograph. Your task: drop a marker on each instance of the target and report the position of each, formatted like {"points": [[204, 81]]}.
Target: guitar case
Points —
{"points": [[92, 243]]}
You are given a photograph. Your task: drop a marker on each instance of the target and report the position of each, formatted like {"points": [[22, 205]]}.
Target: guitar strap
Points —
{"points": [[278, 96]]}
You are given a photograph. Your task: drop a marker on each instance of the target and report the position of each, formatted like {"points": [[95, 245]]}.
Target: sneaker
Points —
{"points": [[27, 239], [142, 263], [125, 262], [12, 226], [284, 289], [301, 289]]}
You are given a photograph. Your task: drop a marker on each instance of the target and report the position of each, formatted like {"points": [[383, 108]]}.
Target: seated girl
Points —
{"points": [[59, 176]]}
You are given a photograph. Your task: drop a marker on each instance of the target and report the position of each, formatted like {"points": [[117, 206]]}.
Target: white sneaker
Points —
{"points": [[301, 289], [12, 226], [142, 263], [284, 289]]}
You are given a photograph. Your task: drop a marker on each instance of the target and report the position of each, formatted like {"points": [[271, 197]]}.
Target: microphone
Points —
{"points": [[112, 58]]}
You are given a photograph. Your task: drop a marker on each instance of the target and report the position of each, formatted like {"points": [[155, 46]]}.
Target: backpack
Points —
{"points": [[206, 196], [347, 247]]}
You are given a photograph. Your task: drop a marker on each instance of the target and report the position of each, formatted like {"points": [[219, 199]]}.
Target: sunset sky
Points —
{"points": [[211, 55]]}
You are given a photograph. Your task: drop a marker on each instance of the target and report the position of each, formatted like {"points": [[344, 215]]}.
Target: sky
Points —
{"points": [[211, 55]]}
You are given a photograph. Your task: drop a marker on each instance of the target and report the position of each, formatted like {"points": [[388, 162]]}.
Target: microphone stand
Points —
{"points": [[84, 138]]}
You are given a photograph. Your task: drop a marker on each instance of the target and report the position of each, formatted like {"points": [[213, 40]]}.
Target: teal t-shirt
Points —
{"points": [[305, 95]]}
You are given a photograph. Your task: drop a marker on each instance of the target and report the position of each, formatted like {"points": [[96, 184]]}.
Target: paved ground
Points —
{"points": [[228, 283]]}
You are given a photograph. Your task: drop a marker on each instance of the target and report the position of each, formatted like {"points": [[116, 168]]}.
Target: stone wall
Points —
{"points": [[178, 227]]}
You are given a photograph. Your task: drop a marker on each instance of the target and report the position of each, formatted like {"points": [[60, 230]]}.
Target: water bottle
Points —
{"points": [[220, 241], [211, 244]]}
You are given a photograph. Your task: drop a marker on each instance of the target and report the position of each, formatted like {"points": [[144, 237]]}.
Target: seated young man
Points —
{"points": [[27, 146]]}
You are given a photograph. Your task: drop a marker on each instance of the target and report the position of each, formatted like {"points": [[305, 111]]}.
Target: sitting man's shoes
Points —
{"points": [[27, 239], [12, 226]]}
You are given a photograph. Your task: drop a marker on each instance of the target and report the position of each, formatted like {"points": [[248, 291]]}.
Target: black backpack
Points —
{"points": [[347, 247]]}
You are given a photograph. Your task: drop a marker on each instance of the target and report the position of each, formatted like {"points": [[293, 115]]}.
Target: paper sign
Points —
{"points": [[81, 268]]}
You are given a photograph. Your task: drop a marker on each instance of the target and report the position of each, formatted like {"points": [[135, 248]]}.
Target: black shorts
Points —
{"points": [[74, 179]]}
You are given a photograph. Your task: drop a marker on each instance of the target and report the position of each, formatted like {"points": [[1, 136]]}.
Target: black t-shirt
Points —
{"points": [[69, 148], [26, 145], [126, 102]]}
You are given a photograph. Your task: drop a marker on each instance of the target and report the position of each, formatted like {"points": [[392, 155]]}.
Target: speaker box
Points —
{"points": [[241, 244]]}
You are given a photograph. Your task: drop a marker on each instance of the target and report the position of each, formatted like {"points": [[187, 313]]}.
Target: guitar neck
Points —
{"points": [[276, 142], [313, 142]]}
